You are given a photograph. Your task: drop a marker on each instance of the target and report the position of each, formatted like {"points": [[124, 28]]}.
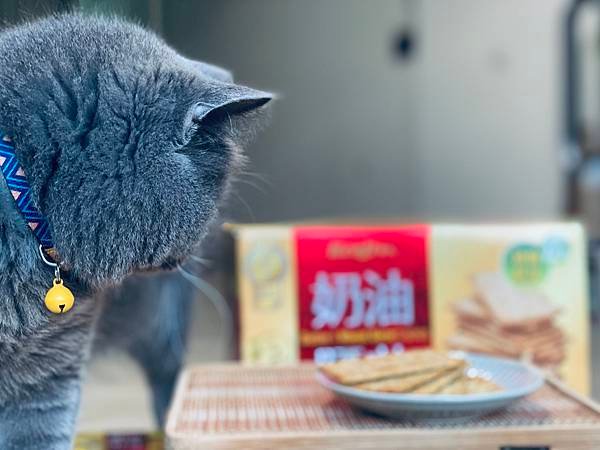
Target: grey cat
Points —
{"points": [[129, 149]]}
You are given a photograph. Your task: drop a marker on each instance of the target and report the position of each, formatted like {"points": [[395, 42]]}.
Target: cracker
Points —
{"points": [[469, 309], [540, 356], [402, 384], [419, 371], [446, 379], [480, 385], [509, 306], [458, 387], [520, 341], [549, 355], [470, 385], [479, 344], [363, 370]]}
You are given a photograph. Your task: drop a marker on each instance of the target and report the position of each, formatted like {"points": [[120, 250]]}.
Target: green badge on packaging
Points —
{"points": [[528, 264], [525, 265]]}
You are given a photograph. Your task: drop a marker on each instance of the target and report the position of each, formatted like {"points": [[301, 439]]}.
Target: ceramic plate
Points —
{"points": [[516, 379]]}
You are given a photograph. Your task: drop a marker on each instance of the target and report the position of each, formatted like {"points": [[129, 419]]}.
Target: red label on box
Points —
{"points": [[361, 290]]}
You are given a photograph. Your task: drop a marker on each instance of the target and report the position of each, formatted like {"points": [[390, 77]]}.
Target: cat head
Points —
{"points": [[128, 146]]}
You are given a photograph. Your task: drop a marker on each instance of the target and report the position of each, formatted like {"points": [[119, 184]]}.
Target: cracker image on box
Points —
{"points": [[514, 291], [504, 320]]}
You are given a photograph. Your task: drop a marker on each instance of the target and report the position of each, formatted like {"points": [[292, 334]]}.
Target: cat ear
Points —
{"points": [[229, 100]]}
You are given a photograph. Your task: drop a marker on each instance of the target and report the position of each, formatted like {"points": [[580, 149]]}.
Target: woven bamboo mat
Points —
{"points": [[223, 406]]}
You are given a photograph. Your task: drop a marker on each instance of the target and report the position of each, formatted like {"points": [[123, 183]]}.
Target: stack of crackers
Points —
{"points": [[415, 372], [505, 321]]}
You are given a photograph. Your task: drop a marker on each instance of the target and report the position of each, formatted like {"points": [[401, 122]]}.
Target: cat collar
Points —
{"points": [[19, 187], [58, 299]]}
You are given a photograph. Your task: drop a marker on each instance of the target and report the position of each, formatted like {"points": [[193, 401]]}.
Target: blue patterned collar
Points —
{"points": [[21, 192]]}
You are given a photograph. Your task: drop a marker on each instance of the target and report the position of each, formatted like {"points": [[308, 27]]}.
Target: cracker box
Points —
{"points": [[325, 292]]}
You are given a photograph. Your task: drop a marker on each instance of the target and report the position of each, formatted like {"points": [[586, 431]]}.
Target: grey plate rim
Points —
{"points": [[449, 399]]}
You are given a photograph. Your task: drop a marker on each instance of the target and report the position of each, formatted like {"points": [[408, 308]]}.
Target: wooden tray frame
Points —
{"points": [[541, 437]]}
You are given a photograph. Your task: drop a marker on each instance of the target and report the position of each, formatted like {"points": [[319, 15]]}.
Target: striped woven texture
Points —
{"points": [[21, 191], [238, 401]]}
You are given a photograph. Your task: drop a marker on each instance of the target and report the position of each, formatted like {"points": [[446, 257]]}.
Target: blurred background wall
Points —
{"points": [[341, 141], [407, 108], [467, 124]]}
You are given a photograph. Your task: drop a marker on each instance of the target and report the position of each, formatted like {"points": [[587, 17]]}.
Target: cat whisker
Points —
{"points": [[256, 176], [245, 203], [216, 299], [254, 185], [203, 261]]}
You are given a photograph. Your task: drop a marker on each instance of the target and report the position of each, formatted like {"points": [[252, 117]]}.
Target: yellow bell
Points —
{"points": [[59, 299]]}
